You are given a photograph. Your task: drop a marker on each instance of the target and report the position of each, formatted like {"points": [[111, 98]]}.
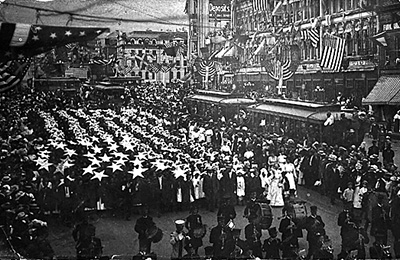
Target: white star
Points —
{"points": [[8, 54], [39, 161], [159, 165], [89, 155], [70, 152], [137, 172], [113, 147], [98, 31], [129, 147], [95, 161], [137, 162], [142, 156], [95, 139], [38, 28], [105, 158], [88, 169], [45, 165], [60, 168], [179, 172], [21, 56], [115, 167], [99, 175], [35, 38], [68, 164], [97, 149], [82, 33], [121, 155], [109, 140], [61, 146], [53, 35], [68, 33], [121, 161]]}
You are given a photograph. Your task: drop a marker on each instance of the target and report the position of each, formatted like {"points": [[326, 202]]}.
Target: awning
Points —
{"points": [[291, 112], [385, 92], [238, 101], [206, 99]]}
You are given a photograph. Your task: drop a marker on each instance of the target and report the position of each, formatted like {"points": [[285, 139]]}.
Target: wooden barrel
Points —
{"points": [[266, 216]]}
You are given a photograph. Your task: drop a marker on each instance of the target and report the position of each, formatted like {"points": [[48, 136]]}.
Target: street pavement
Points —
{"points": [[119, 238]]}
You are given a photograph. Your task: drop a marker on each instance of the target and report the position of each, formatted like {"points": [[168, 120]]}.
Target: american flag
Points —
{"points": [[154, 67], [101, 61], [166, 67], [333, 53], [260, 5], [18, 41], [312, 35], [12, 72]]}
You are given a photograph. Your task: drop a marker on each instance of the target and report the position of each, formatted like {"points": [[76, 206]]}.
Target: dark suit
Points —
{"points": [[315, 228], [228, 184], [253, 238], [222, 240]]}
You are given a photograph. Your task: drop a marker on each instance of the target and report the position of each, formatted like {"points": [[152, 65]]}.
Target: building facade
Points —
{"points": [[136, 50]]}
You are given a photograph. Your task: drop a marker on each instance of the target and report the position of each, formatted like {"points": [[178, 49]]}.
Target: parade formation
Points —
{"points": [[256, 134]]}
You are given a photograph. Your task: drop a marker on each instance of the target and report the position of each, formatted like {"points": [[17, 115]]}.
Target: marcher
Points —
{"points": [[253, 235], [179, 240], [196, 229], [315, 229], [222, 239], [143, 224], [272, 245], [290, 234]]}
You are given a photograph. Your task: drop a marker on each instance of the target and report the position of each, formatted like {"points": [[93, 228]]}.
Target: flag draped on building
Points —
{"points": [[18, 41], [141, 61], [206, 68], [154, 67], [260, 5], [333, 53], [12, 72], [170, 49], [312, 35], [380, 39], [101, 61]]}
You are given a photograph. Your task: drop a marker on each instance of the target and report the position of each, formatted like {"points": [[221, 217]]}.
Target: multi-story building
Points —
{"points": [[294, 21], [137, 49]]}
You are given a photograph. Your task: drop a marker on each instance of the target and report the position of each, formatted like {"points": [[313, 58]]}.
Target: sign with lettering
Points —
{"points": [[220, 10]]}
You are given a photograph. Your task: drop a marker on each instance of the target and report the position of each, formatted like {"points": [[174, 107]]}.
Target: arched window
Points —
{"points": [[178, 74], [140, 74], [171, 75], [154, 42], [146, 75]]}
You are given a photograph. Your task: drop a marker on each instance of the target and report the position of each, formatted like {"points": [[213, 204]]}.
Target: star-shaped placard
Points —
{"points": [[105, 158], [95, 161], [115, 167], [97, 149], [179, 172], [45, 165], [99, 175], [137, 162], [113, 147], [137, 172], [70, 152], [89, 170]]}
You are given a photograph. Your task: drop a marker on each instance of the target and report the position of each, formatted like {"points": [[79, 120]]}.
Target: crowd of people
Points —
{"points": [[59, 158]]}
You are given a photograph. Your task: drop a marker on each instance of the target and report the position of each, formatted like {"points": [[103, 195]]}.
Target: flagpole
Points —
{"points": [[321, 13]]}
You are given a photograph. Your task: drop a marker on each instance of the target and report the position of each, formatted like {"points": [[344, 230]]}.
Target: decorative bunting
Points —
{"points": [[12, 73]]}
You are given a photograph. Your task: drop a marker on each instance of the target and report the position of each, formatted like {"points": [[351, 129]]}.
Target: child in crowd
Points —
{"points": [[348, 194]]}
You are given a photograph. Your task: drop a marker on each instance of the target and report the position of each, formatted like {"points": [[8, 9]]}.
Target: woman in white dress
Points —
{"points": [[275, 190]]}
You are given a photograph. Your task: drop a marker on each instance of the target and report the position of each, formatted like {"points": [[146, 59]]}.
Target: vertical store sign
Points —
{"points": [[219, 10]]}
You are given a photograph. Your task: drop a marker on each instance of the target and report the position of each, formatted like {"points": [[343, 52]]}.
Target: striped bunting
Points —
{"points": [[100, 61], [276, 70], [260, 5], [333, 53], [154, 67], [12, 73], [312, 35], [207, 67]]}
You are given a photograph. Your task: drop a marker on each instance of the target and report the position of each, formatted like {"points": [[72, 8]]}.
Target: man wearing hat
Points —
{"points": [[331, 177], [221, 238], [226, 209], [253, 235], [315, 229], [144, 223], [272, 245], [179, 239]]}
